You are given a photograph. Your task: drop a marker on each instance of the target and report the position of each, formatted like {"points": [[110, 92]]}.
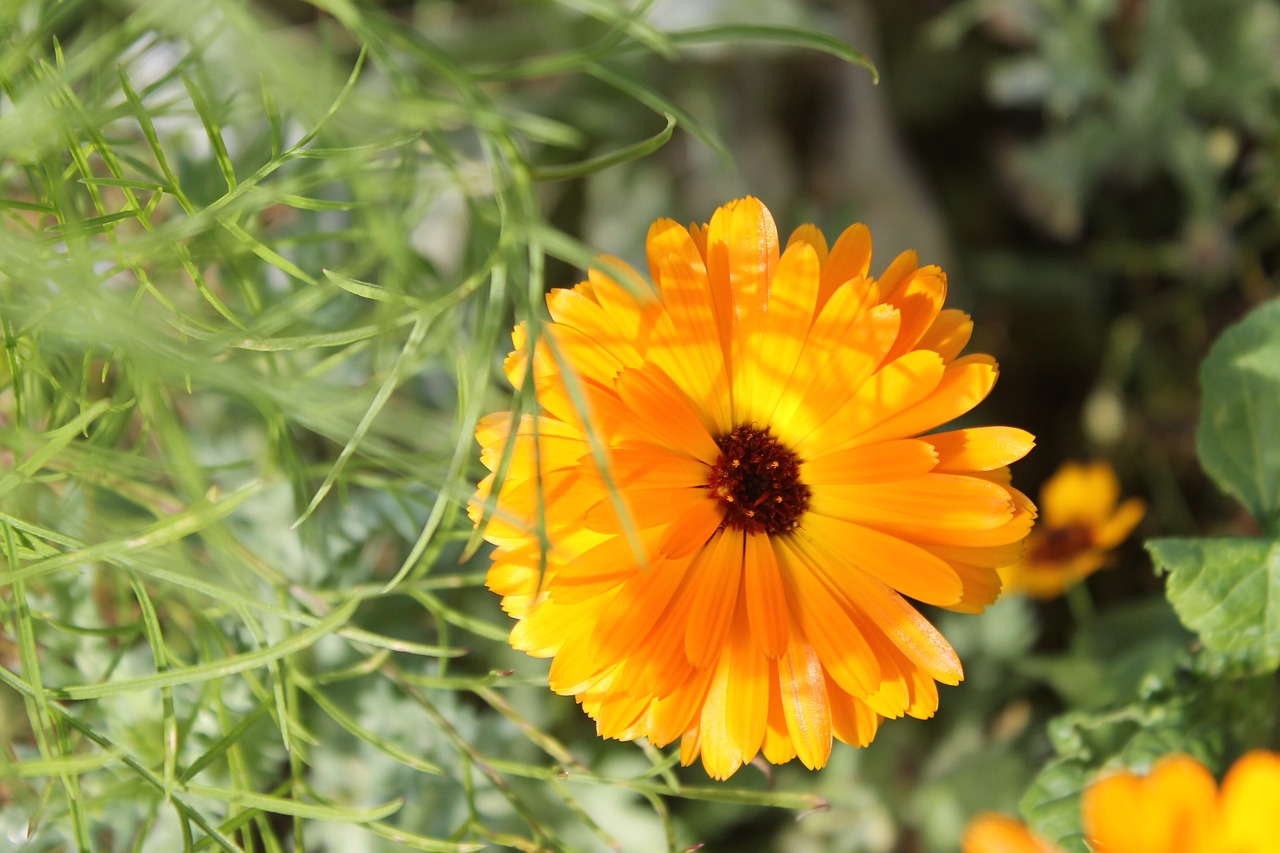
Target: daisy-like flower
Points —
{"points": [[730, 491], [1080, 523], [1176, 809]]}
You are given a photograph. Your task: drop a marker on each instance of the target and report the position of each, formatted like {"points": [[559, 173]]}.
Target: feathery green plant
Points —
{"points": [[254, 277]]}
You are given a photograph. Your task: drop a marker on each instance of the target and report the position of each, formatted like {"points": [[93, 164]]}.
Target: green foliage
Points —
{"points": [[1167, 90], [1238, 439], [257, 266], [253, 280], [1194, 713], [1227, 590]]}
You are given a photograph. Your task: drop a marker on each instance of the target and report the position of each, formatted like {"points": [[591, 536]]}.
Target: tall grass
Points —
{"points": [[255, 277]]}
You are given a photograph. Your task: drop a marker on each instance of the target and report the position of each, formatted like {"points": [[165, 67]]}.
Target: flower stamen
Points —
{"points": [[1059, 544], [758, 481]]}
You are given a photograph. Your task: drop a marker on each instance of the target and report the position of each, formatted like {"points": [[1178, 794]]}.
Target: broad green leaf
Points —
{"points": [[1238, 438], [1227, 591]]}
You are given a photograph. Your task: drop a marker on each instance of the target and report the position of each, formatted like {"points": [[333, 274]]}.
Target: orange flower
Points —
{"points": [[715, 520], [1079, 524], [995, 833], [1176, 809]]}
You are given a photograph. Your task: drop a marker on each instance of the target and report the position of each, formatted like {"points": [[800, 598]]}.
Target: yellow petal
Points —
{"points": [[850, 258], [714, 592], [949, 334], [635, 609], [770, 357], [852, 720], [898, 271], [1171, 809], [692, 528], [945, 501], [827, 620], [919, 299], [765, 597], [721, 755], [813, 236], [900, 565], [678, 711], [840, 353], [575, 309], [692, 349], [747, 700], [804, 702], [964, 384], [892, 390], [1080, 493], [909, 631], [871, 463], [980, 448], [1250, 792], [1118, 527], [742, 253], [778, 747], [658, 411]]}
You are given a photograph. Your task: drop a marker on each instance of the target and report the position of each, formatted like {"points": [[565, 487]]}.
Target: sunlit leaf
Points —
{"points": [[1228, 592]]}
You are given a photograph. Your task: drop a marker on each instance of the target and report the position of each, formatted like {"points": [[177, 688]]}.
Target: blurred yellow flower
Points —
{"points": [[996, 833], [1079, 525], [731, 489], [1175, 809]]}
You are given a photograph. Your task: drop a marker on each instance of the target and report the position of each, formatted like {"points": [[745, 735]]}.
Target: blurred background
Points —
{"points": [[259, 261]]}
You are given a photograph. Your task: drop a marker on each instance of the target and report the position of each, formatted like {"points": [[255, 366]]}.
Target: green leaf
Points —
{"points": [[72, 765], [230, 665], [1238, 437], [283, 805], [740, 34], [605, 161], [1227, 591]]}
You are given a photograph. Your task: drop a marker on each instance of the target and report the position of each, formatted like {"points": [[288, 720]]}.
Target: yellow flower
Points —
{"points": [[1176, 809], [715, 520], [1079, 524]]}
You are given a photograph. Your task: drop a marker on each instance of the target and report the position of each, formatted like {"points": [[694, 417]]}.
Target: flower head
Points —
{"points": [[1079, 524], [996, 833], [715, 520], [1175, 809]]}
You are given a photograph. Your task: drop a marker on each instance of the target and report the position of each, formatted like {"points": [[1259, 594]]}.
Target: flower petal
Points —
{"points": [[772, 354], [804, 702], [714, 592], [980, 448], [765, 597]]}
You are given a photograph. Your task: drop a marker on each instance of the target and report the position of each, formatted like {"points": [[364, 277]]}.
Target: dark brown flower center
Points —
{"points": [[758, 481], [1060, 544]]}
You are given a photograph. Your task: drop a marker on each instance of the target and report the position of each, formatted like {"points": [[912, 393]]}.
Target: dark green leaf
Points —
{"points": [[1238, 439]]}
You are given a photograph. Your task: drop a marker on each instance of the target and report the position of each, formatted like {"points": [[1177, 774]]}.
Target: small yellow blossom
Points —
{"points": [[1079, 525]]}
